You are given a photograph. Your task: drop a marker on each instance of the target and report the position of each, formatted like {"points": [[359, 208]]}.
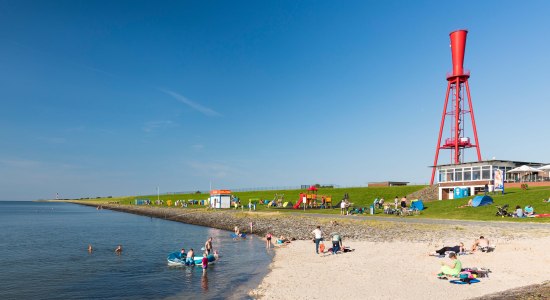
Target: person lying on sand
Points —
{"points": [[282, 240], [456, 249], [451, 269], [480, 244]]}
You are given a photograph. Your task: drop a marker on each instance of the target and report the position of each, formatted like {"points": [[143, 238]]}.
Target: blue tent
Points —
{"points": [[417, 204], [481, 201]]}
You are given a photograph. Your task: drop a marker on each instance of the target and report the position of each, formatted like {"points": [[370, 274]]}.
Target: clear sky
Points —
{"points": [[118, 97]]}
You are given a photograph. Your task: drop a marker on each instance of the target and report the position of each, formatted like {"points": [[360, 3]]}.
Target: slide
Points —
{"points": [[297, 205]]}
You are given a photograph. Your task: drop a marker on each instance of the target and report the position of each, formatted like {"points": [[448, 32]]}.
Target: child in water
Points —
{"points": [[204, 262]]}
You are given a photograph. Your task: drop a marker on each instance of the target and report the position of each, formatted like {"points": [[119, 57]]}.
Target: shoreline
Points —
{"points": [[366, 236]]}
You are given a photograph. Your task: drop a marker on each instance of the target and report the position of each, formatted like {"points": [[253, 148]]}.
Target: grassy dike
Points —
{"points": [[363, 197]]}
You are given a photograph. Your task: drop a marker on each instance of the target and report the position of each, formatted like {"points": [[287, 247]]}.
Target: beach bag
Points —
{"points": [[322, 247]]}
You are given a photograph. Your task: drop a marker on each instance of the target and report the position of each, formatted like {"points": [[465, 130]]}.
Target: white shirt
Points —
{"points": [[343, 204], [318, 233]]}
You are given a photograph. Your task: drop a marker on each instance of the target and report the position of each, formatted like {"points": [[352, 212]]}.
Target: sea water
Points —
{"points": [[44, 255]]}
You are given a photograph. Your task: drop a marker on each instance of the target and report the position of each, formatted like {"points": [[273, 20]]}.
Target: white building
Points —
{"points": [[473, 176]]}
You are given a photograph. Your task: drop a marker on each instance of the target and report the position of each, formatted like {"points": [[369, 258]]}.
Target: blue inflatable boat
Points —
{"points": [[175, 259]]}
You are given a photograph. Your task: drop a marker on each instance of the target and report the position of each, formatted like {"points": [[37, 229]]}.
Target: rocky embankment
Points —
{"points": [[300, 226]]}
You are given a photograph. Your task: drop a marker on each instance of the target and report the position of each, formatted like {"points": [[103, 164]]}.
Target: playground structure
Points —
{"points": [[457, 84], [310, 199]]}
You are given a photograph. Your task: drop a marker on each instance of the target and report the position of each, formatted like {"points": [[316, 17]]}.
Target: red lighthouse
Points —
{"points": [[456, 110]]}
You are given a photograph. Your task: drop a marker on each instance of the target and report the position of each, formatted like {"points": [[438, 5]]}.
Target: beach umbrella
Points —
{"points": [[312, 188], [545, 168]]}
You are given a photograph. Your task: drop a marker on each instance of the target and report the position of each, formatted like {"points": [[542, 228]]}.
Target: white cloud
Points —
{"points": [[196, 106]]}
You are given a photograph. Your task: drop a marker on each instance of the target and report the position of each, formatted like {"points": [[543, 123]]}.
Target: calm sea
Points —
{"points": [[43, 255]]}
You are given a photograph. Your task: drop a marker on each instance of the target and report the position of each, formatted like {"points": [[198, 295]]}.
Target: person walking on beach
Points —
{"points": [[268, 240], [208, 246], [343, 207], [318, 238], [396, 202]]}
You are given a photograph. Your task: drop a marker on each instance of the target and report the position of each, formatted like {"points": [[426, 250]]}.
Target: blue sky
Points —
{"points": [[118, 97]]}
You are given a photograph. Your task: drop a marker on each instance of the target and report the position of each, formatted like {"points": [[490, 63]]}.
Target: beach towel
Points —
{"points": [[464, 281]]}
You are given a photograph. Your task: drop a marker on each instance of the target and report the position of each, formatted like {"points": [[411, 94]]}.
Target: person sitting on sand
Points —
{"points": [[529, 211], [451, 269], [456, 249], [282, 240], [482, 244], [118, 249], [519, 212], [190, 261]]}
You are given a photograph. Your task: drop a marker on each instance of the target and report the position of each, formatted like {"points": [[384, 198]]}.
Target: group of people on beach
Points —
{"points": [[281, 241], [336, 239], [454, 267]]}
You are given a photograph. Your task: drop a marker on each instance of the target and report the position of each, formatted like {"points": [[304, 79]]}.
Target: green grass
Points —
{"points": [[448, 209], [359, 196], [363, 197]]}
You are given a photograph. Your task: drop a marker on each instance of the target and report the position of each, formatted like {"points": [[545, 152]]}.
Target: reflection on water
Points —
{"points": [[204, 282]]}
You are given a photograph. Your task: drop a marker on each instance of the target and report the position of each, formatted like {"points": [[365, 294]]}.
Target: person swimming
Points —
{"points": [[118, 249]]}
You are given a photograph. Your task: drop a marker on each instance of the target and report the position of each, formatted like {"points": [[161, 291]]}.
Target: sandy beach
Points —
{"points": [[399, 270]]}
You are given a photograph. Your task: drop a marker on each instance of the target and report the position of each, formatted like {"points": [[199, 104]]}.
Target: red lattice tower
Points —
{"points": [[457, 88]]}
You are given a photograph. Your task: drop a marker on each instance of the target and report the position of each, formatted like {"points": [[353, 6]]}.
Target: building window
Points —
{"points": [[458, 174], [467, 174], [450, 175], [486, 172], [476, 173]]}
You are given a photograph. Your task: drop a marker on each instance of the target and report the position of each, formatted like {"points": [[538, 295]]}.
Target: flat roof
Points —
{"points": [[492, 162]]}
